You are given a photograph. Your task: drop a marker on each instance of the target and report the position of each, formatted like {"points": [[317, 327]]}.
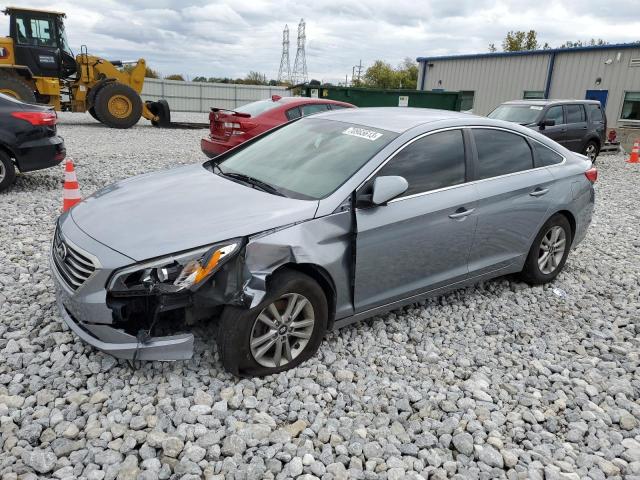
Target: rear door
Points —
{"points": [[514, 198], [576, 118], [557, 132], [420, 240]]}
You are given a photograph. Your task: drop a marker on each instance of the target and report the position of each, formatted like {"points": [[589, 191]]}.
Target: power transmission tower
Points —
{"points": [[284, 73], [299, 74], [358, 69]]}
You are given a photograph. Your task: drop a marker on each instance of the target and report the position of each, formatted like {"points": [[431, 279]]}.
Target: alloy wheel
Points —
{"points": [[3, 172], [282, 330], [552, 248], [591, 152]]}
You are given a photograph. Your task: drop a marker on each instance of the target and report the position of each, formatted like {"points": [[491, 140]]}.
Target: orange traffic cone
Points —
{"points": [[71, 190], [635, 153]]}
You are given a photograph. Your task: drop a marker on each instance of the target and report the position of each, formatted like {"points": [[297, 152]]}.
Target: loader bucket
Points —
{"points": [[162, 111]]}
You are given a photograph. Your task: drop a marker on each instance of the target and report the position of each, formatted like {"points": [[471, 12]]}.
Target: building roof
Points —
{"points": [[616, 46]]}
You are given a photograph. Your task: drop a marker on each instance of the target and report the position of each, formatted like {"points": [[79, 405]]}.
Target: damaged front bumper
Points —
{"points": [[123, 345], [84, 307]]}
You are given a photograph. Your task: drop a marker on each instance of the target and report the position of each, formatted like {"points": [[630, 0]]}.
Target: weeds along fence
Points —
{"points": [[201, 96]]}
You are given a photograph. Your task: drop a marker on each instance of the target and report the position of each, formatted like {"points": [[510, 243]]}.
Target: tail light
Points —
{"points": [[44, 118], [592, 174]]}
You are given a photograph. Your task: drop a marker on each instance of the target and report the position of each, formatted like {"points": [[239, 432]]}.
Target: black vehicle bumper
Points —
{"points": [[39, 154]]}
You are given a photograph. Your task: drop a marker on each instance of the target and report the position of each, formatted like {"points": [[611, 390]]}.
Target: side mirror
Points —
{"points": [[388, 188], [547, 122]]}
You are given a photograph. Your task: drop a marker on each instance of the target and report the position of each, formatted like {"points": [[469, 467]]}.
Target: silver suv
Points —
{"points": [[578, 125]]}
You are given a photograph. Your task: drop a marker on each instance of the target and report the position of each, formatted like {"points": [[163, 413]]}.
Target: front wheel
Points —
{"points": [[282, 332], [7, 171], [118, 105], [549, 251], [591, 150]]}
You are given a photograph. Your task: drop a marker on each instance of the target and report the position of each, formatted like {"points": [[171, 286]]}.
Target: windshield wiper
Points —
{"points": [[265, 187]]}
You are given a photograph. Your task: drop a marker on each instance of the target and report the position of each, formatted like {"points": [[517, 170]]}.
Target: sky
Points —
{"points": [[230, 38]]}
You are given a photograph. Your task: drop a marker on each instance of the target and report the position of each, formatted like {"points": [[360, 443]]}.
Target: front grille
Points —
{"points": [[74, 267]]}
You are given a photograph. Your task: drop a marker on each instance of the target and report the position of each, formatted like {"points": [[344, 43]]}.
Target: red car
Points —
{"points": [[229, 128]]}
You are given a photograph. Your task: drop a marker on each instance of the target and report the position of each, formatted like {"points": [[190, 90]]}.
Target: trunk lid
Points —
{"points": [[224, 124]]}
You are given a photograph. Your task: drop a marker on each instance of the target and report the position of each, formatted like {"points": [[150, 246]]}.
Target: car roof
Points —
{"points": [[547, 102], [306, 100], [393, 119]]}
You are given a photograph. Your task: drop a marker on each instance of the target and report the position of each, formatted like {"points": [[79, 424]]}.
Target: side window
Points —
{"points": [[334, 106], [555, 113], [501, 153], [545, 156], [575, 114], [596, 113], [432, 162], [312, 108], [293, 113]]}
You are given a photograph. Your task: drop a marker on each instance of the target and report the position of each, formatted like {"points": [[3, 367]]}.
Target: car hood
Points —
{"points": [[187, 207]]}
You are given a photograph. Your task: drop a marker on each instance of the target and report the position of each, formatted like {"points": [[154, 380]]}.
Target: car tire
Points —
{"points": [[543, 266], [243, 333], [92, 112], [591, 150], [7, 171], [15, 86], [118, 105]]}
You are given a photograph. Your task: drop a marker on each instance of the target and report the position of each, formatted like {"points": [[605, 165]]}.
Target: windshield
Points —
{"points": [[256, 108], [310, 158], [517, 113]]}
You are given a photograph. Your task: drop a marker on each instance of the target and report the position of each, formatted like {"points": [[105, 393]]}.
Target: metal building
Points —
{"points": [[609, 73]]}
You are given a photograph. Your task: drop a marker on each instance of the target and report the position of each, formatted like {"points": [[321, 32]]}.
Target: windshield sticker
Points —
{"points": [[362, 133], [535, 107]]}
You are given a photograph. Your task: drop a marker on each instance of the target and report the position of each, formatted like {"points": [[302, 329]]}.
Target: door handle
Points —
{"points": [[461, 213], [538, 192]]}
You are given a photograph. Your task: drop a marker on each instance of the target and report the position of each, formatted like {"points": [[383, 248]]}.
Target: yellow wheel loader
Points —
{"points": [[37, 65]]}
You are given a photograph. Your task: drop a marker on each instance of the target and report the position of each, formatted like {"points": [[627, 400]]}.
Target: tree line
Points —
{"points": [[518, 41]]}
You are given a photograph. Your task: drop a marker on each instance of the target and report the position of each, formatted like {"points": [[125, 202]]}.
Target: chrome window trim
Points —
{"points": [[473, 182]]}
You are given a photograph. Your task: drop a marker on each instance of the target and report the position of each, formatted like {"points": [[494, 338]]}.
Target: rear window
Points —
{"points": [[501, 153], [523, 114], [596, 113], [545, 156], [256, 108]]}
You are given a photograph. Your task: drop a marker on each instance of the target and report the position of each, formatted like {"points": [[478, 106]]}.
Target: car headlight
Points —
{"points": [[176, 273]]}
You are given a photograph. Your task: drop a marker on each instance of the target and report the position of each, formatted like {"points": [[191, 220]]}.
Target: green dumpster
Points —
{"points": [[374, 97]]}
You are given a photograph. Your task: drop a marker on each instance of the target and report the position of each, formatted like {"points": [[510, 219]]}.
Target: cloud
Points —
{"points": [[230, 38]]}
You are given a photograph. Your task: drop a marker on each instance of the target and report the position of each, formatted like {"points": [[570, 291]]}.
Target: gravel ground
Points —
{"points": [[500, 380]]}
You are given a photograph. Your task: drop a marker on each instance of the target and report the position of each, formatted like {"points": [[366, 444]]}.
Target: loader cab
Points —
{"points": [[40, 42]]}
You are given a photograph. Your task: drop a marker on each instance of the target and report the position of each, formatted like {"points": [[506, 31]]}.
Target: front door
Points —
{"points": [[558, 131], [421, 240], [513, 200], [600, 95]]}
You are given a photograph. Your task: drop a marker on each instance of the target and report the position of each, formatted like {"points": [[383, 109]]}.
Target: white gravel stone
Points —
{"points": [[497, 380]]}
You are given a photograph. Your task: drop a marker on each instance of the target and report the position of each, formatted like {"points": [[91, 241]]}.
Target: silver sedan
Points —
{"points": [[314, 225]]}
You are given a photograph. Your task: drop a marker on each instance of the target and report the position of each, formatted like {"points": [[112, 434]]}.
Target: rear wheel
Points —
{"points": [[7, 171], [118, 106], [591, 150], [16, 87], [549, 251], [282, 332]]}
